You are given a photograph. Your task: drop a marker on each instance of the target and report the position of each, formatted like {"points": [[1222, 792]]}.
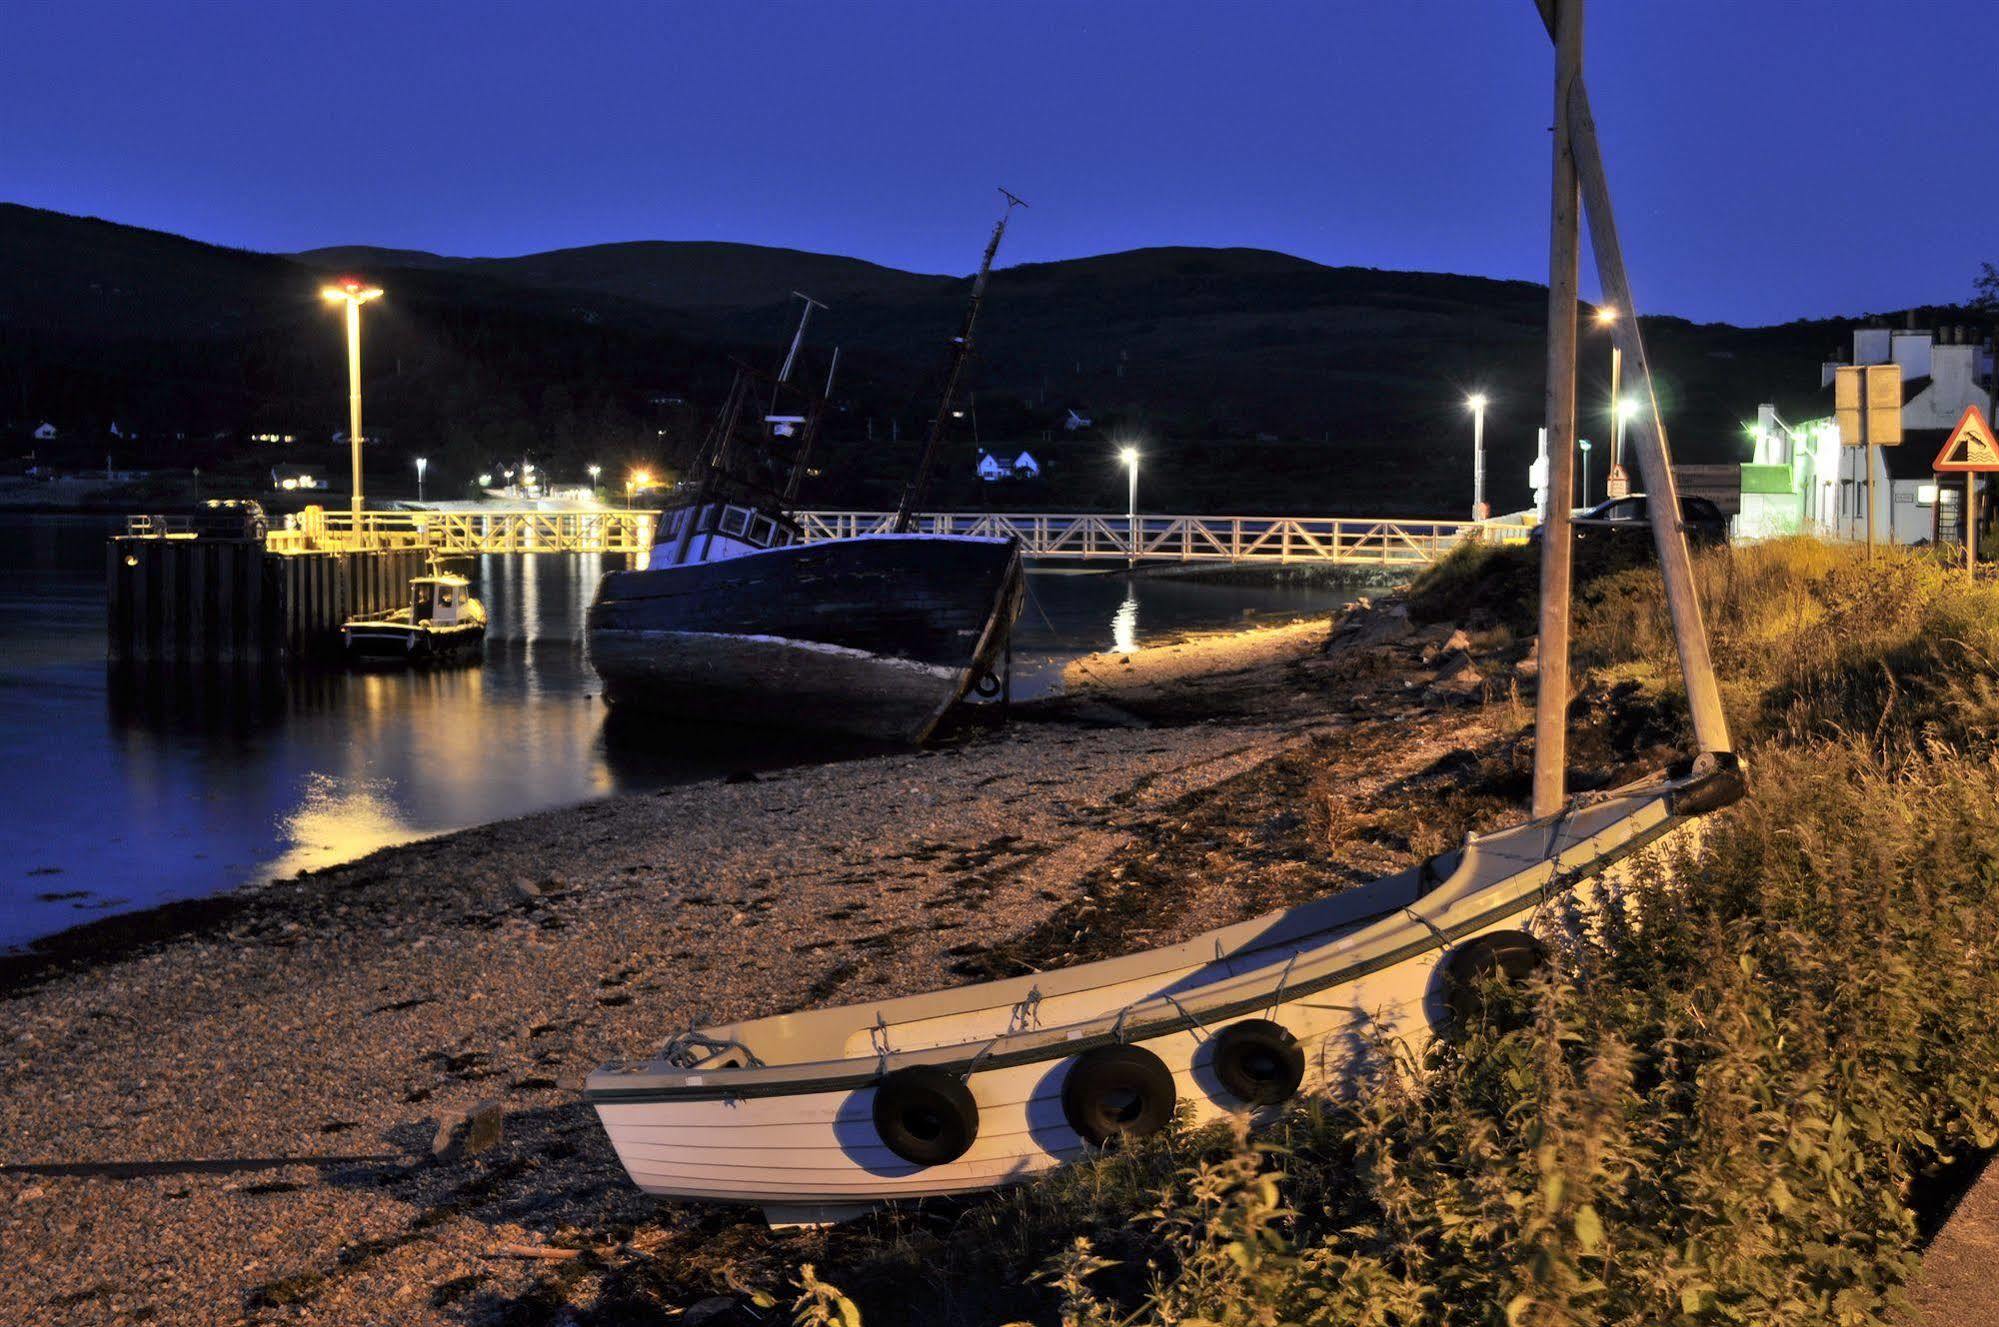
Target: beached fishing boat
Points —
{"points": [[819, 1115], [442, 621], [736, 618]]}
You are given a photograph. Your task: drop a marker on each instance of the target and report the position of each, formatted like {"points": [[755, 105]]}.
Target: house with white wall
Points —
{"points": [[1803, 479]]}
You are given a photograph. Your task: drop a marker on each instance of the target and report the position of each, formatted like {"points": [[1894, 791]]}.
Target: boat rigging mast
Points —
{"points": [[961, 350]]}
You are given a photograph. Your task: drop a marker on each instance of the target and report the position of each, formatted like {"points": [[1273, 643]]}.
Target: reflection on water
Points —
{"points": [[1124, 626], [120, 793]]}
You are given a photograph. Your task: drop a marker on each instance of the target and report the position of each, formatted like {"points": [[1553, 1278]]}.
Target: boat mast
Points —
{"points": [[1581, 158], [961, 350]]}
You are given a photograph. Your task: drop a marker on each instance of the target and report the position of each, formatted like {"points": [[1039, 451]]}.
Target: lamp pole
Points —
{"points": [[1130, 457], [1616, 483], [353, 294], [420, 464], [1479, 510], [1582, 445], [595, 487]]}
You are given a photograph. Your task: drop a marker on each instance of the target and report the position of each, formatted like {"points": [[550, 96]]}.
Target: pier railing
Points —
{"points": [[471, 532], [1362, 541], [1083, 536]]}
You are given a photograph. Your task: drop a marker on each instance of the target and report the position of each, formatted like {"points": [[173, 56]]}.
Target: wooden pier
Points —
{"points": [[188, 600]]}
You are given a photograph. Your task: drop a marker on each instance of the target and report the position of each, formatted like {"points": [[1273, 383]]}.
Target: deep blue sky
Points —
{"points": [[1771, 158]]}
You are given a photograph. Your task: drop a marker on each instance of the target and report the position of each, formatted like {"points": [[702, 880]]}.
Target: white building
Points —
{"points": [[994, 468], [1803, 480], [46, 433]]}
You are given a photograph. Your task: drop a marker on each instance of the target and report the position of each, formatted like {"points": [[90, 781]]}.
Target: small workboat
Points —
{"points": [[442, 621], [819, 1115]]}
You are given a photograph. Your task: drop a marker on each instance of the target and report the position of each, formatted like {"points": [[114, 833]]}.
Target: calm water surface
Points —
{"points": [[113, 799]]}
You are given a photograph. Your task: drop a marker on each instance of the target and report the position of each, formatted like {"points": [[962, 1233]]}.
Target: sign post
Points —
{"points": [[1867, 400], [1971, 450]]}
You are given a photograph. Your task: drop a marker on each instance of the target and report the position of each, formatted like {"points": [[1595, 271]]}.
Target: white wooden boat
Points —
{"points": [[818, 1115]]}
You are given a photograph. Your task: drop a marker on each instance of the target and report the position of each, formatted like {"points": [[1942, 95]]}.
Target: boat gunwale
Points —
{"points": [[1063, 1041]]}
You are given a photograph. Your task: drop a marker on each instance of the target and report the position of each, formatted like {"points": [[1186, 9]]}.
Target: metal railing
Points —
{"points": [[1361, 541], [466, 533]]}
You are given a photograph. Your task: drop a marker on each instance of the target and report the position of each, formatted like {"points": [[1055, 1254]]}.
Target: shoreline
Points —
{"points": [[235, 1117]]}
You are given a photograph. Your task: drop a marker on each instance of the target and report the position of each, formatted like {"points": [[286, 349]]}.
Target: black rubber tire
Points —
{"points": [[1258, 1062], [926, 1115], [1118, 1092], [1516, 955]]}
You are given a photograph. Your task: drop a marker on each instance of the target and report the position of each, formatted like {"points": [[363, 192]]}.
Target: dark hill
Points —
{"points": [[677, 274], [1256, 379]]}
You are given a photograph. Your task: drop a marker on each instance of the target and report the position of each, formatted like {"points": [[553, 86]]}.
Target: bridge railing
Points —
{"points": [[469, 532], [1090, 536]]}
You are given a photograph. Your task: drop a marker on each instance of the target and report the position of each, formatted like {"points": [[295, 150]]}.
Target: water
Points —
{"points": [[114, 800]]}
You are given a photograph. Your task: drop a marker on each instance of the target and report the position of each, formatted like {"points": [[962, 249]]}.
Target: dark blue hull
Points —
{"points": [[876, 636]]}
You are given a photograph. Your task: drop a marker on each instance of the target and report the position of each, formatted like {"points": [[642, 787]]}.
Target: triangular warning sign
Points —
{"points": [[1970, 445]]}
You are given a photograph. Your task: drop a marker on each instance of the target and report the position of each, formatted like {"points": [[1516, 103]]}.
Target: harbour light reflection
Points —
{"points": [[1124, 626]]}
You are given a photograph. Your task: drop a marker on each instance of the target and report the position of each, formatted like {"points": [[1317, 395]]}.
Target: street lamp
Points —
{"points": [[1476, 403], [353, 294], [1583, 444], [1617, 484], [595, 470], [420, 464], [1130, 457]]}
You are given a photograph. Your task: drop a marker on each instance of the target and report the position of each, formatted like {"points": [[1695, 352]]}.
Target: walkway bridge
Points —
{"points": [[1074, 536]]}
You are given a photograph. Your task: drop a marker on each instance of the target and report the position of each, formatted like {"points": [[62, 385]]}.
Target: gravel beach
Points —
{"points": [[234, 1120]]}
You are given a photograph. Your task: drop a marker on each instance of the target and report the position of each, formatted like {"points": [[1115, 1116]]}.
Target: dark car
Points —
{"points": [[1625, 523]]}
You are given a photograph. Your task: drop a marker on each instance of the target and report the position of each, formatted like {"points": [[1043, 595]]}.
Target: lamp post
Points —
{"points": [[353, 294], [1476, 403], [420, 464], [595, 488], [1130, 457], [1616, 484], [1582, 444]]}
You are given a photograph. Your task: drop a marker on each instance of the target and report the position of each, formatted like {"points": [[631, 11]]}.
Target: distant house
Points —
{"points": [[1076, 421], [1802, 479], [992, 468], [46, 433]]}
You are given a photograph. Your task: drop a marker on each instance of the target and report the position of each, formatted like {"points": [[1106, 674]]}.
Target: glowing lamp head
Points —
{"points": [[1128, 455], [640, 479], [1626, 408], [349, 290], [1606, 315], [1476, 401], [596, 470]]}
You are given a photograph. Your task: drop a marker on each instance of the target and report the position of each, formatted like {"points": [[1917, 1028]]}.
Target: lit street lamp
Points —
{"points": [[1130, 457], [1616, 484], [1476, 402], [595, 471], [420, 464], [353, 294], [1583, 443]]}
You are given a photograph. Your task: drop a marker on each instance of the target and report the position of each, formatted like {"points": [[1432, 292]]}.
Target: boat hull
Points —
{"points": [[400, 643], [783, 1116], [874, 637]]}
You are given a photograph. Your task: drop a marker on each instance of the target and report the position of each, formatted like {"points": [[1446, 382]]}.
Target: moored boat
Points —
{"points": [[442, 621]]}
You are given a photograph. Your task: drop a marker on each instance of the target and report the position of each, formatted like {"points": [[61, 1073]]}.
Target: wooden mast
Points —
{"points": [[1648, 438], [1551, 700]]}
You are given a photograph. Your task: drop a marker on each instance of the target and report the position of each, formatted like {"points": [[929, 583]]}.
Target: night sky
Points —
{"points": [[1771, 159]]}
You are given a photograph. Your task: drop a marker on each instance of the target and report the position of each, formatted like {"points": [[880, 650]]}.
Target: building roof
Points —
{"points": [[1912, 460]]}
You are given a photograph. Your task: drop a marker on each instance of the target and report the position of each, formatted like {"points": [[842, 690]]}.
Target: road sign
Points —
{"points": [[1867, 399], [1970, 447]]}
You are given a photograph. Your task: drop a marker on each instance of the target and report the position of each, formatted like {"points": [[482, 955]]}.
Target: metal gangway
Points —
{"points": [[1085, 536], [1079, 536]]}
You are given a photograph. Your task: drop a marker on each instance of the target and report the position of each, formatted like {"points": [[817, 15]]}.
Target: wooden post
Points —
{"points": [[1551, 700], [1648, 440], [1970, 524]]}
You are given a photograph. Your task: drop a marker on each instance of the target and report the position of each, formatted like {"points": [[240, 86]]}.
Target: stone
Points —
{"points": [[28, 1195], [467, 1131], [1530, 666], [1458, 681], [707, 1310], [527, 889], [1365, 626]]}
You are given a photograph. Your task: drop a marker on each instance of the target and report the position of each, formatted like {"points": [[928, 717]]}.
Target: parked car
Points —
{"points": [[1625, 523]]}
